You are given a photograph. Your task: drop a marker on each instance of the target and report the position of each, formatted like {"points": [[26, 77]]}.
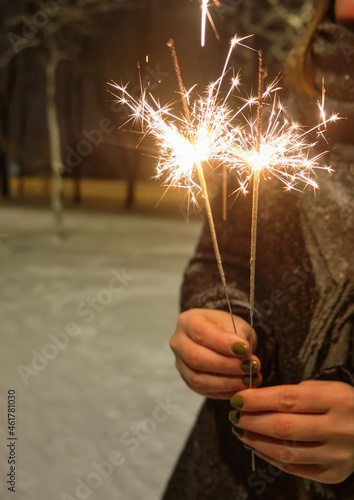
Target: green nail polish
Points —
{"points": [[239, 349], [237, 401], [255, 380], [246, 366], [234, 416], [237, 431]]}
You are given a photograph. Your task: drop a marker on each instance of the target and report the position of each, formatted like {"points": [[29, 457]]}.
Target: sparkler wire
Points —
{"points": [[255, 202], [224, 193], [214, 239], [203, 185]]}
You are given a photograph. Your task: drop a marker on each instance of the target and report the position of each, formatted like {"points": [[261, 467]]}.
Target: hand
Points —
{"points": [[209, 357], [306, 430], [344, 11]]}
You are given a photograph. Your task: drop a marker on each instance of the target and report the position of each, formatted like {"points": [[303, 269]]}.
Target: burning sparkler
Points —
{"points": [[280, 150], [207, 133], [202, 135]]}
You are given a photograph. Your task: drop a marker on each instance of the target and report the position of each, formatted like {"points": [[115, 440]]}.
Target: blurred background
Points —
{"points": [[92, 252]]}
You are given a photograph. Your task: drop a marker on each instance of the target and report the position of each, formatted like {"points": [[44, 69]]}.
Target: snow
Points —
{"points": [[104, 414]]}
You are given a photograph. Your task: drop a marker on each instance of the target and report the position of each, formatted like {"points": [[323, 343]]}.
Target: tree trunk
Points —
{"points": [[4, 176], [6, 101], [3, 166], [77, 115], [56, 160]]}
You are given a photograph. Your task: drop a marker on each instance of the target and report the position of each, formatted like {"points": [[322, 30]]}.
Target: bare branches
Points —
{"points": [[24, 31]]}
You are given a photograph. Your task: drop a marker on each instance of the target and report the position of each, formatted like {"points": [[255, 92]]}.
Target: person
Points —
{"points": [[298, 417]]}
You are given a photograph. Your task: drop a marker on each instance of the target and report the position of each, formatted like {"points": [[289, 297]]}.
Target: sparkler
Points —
{"points": [[282, 151], [201, 176], [210, 131], [200, 136]]}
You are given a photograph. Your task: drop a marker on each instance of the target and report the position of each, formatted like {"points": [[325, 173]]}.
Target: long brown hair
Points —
{"points": [[298, 66]]}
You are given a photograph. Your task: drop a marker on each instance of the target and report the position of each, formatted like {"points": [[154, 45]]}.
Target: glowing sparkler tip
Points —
{"points": [[210, 132], [235, 81], [234, 41]]}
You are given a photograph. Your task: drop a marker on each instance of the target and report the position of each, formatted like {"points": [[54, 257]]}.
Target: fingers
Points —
{"points": [[312, 460], [289, 452], [214, 330], [211, 359], [317, 461], [308, 471], [285, 426], [213, 385], [301, 429], [302, 398], [204, 359]]}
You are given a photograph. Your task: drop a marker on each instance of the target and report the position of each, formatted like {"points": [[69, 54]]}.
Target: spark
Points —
{"points": [[188, 142], [284, 147], [213, 133], [182, 144], [202, 134], [205, 15]]}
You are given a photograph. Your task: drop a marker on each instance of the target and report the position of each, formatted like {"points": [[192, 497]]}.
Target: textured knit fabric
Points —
{"points": [[299, 301]]}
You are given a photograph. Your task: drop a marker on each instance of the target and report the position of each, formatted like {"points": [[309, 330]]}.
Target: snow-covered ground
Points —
{"points": [[101, 412]]}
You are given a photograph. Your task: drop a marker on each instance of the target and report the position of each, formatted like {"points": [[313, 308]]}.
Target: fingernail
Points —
{"points": [[255, 380], [237, 401], [249, 448], [237, 431], [239, 349], [246, 366], [234, 416]]}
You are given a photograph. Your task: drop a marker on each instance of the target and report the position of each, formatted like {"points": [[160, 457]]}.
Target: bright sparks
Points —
{"points": [[182, 144], [202, 135], [284, 149], [205, 15], [211, 132]]}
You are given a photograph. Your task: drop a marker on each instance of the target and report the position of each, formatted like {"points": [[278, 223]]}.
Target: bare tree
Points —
{"points": [[55, 30]]}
